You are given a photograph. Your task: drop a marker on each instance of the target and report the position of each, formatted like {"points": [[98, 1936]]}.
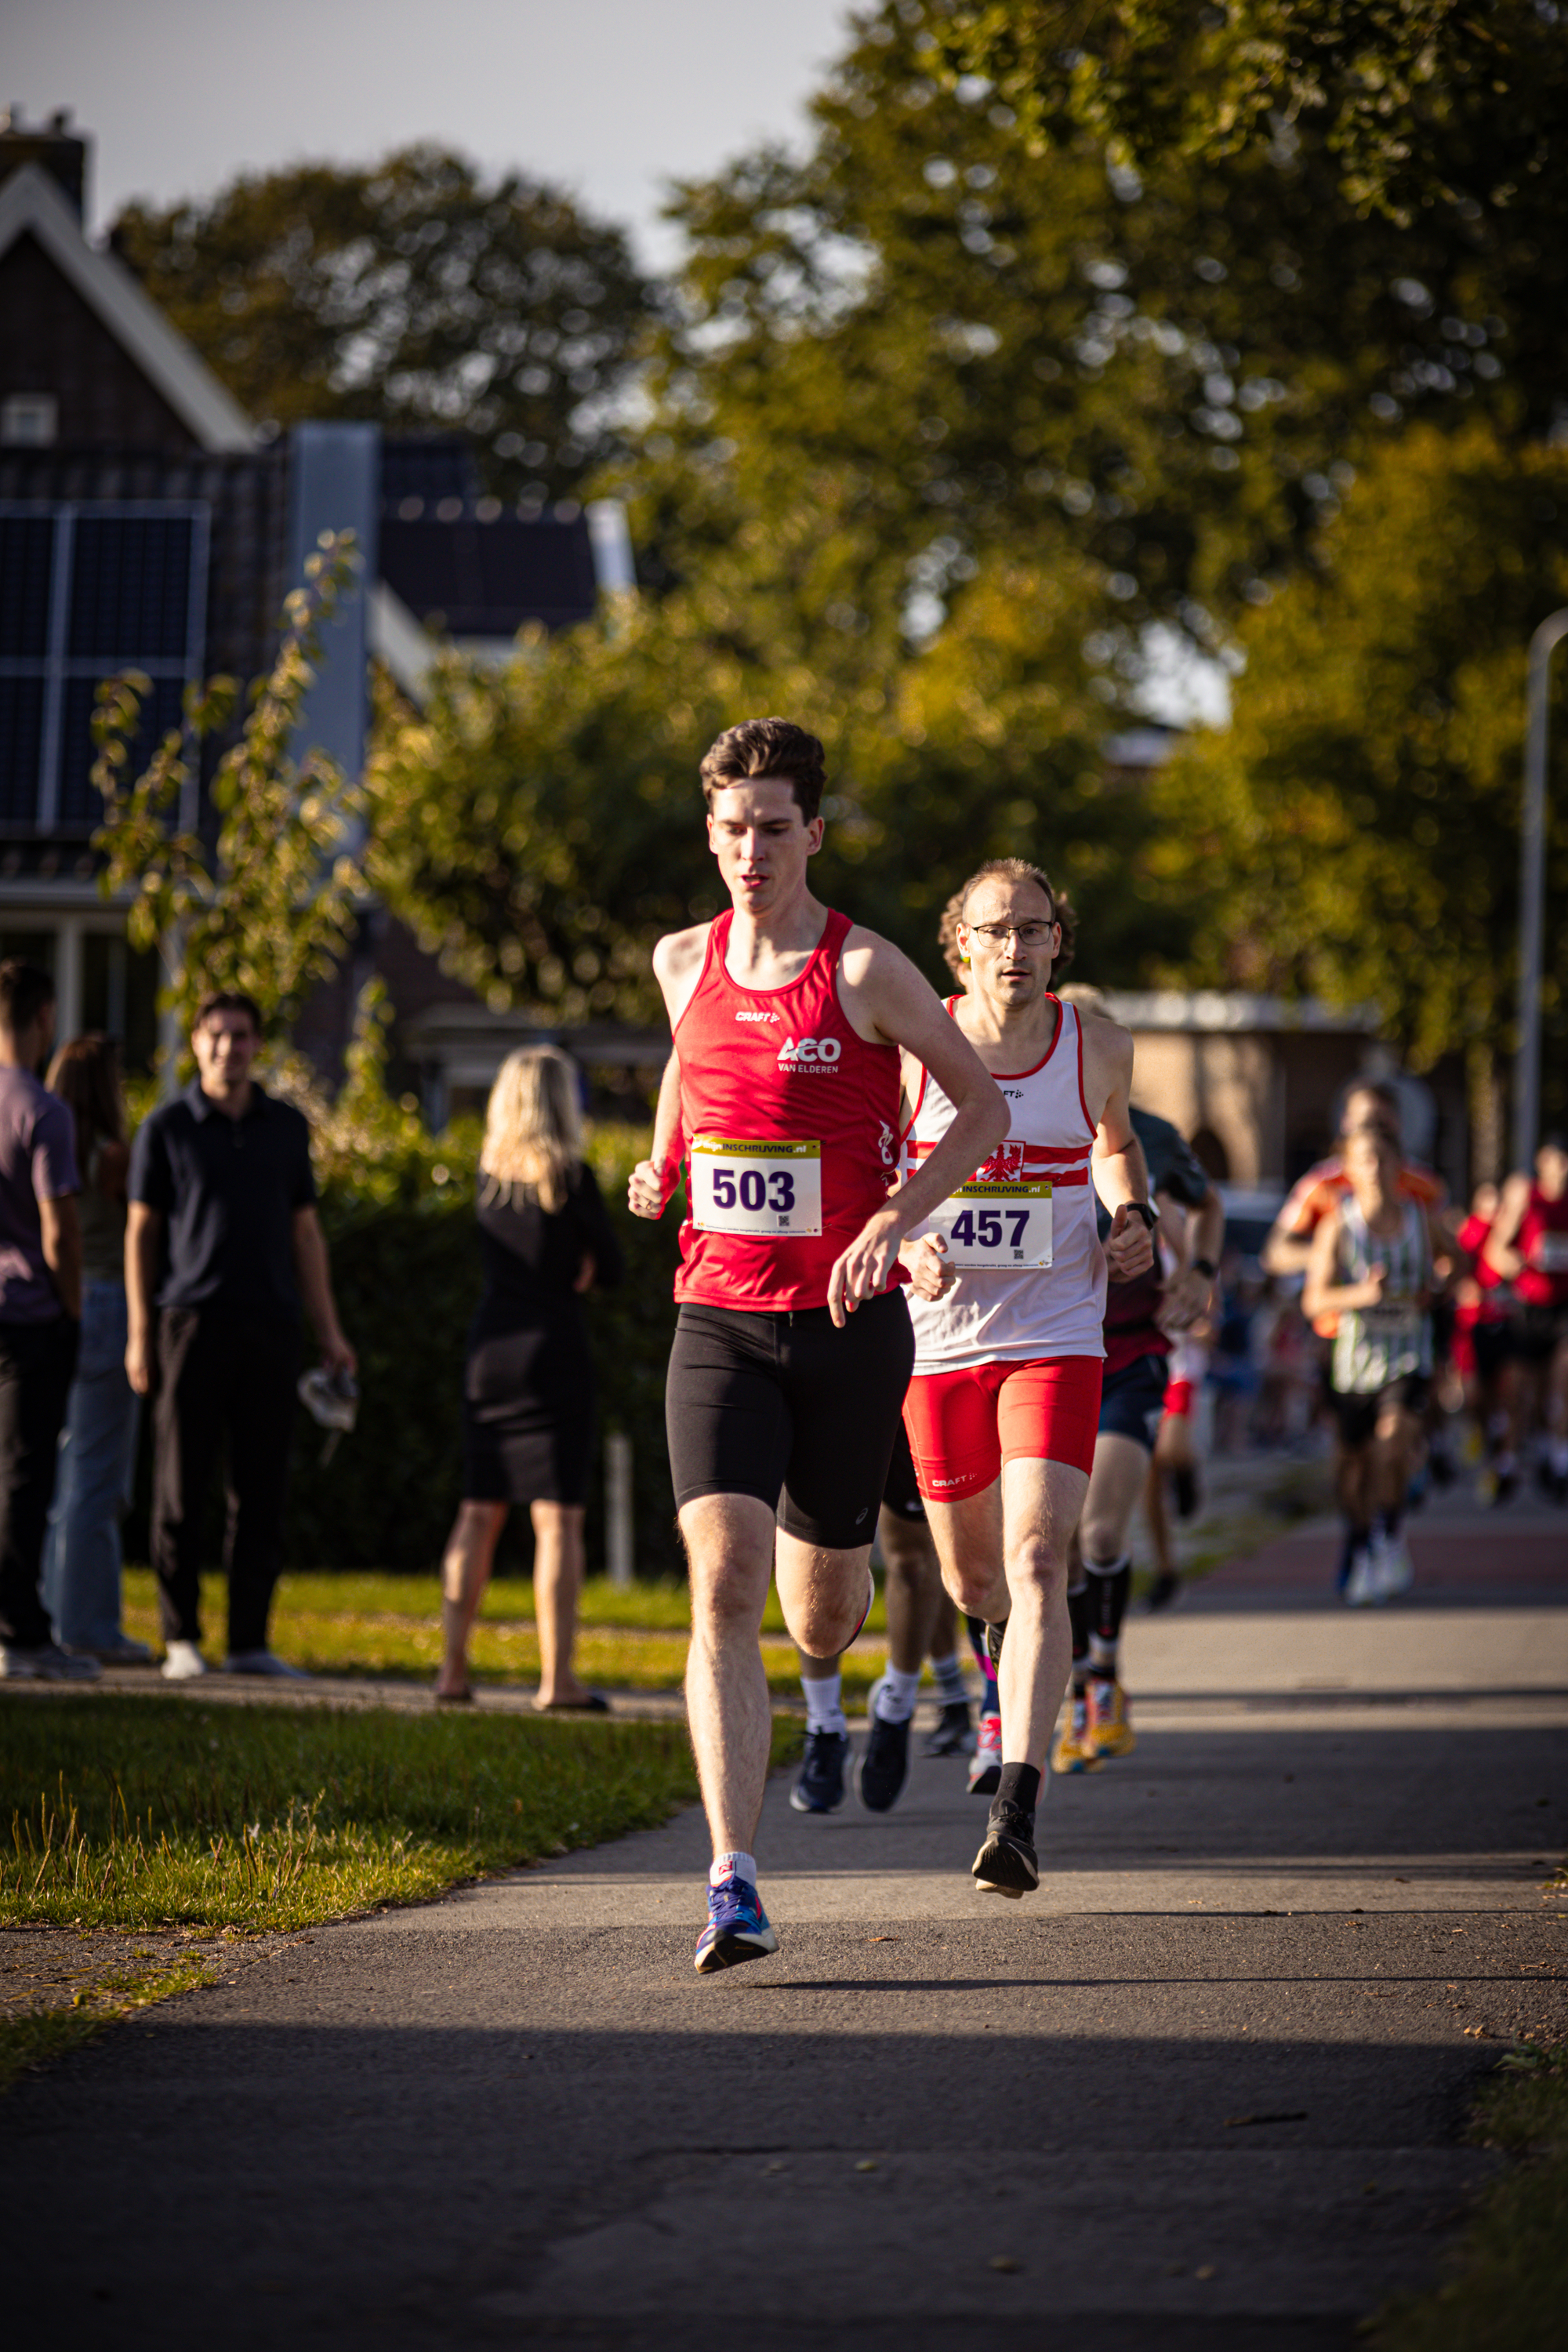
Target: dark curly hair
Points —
{"points": [[767, 747], [1006, 869]]}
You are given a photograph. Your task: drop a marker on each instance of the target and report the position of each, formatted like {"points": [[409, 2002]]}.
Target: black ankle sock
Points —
{"points": [[1019, 1786], [1078, 1618], [1109, 1589]]}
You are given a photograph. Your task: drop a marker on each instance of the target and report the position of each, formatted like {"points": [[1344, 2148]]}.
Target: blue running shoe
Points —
{"points": [[737, 1928]]}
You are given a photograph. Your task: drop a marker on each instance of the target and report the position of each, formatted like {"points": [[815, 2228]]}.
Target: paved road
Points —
{"points": [[1206, 2091]]}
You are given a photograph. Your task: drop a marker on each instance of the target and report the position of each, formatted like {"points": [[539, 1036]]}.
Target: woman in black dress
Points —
{"points": [[528, 1386]]}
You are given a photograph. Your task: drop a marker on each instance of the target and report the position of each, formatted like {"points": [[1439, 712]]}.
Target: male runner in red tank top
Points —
{"points": [[792, 1347]]}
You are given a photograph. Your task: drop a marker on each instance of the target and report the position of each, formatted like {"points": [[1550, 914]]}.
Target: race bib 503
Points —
{"points": [[763, 1188]]}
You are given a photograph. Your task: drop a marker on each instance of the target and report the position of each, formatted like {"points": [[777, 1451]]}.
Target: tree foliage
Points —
{"points": [[270, 906], [952, 344], [1418, 101], [1355, 835], [411, 292]]}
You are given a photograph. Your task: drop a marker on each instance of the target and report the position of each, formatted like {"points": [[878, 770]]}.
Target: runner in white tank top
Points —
{"points": [[1023, 1310], [1009, 1299]]}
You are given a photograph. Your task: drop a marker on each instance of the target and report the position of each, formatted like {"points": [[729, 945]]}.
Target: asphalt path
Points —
{"points": [[1207, 2090]]}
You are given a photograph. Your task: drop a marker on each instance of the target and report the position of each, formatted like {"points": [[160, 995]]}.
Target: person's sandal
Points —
{"points": [[595, 1703]]}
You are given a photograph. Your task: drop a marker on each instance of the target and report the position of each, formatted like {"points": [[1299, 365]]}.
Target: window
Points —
{"points": [[87, 590], [29, 420]]}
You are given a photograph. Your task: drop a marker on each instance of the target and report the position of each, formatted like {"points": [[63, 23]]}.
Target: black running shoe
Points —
{"points": [[820, 1786], [1005, 1864], [954, 1734], [1184, 1485], [884, 1765], [1163, 1589]]}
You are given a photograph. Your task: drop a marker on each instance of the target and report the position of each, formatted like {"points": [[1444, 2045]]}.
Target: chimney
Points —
{"points": [[51, 145]]}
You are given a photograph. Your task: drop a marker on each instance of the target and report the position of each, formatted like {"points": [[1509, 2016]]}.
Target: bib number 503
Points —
{"points": [[750, 1188]]}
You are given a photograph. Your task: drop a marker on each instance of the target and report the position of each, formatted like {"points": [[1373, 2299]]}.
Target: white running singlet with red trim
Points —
{"points": [[991, 1316]]}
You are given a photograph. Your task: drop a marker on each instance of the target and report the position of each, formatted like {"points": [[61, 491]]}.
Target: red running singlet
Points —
{"points": [[1543, 1243], [789, 1124]]}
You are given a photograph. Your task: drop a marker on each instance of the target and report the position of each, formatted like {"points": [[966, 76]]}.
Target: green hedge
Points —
{"points": [[407, 1279]]}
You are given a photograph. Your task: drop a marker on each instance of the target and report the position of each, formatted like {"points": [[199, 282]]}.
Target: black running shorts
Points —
{"points": [[787, 1409], [1358, 1415]]}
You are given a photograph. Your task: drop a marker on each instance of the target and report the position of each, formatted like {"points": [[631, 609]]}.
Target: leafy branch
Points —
{"points": [[270, 907]]}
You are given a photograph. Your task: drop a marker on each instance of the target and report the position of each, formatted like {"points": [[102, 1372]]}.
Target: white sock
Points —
{"points": [[894, 1697], [950, 1682], [825, 1703], [726, 1866], [1102, 1656]]}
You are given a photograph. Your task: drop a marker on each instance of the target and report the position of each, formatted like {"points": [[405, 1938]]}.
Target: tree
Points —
{"points": [[411, 292], [958, 346], [1355, 835], [1418, 101], [272, 907]]}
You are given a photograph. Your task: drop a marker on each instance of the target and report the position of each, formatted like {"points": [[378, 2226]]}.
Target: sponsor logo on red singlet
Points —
{"points": [[810, 1053], [756, 1016]]}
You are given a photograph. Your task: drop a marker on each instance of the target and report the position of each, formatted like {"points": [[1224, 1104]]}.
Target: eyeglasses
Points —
{"points": [[1028, 935]]}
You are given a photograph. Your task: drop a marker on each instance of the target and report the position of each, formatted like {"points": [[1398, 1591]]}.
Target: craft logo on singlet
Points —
{"points": [[756, 1016], [809, 1053]]}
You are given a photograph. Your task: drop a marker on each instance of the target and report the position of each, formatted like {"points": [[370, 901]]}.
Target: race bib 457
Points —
{"points": [[762, 1188], [997, 1228]]}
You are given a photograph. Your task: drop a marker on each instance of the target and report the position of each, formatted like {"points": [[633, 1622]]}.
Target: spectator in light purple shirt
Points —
{"points": [[40, 1318]]}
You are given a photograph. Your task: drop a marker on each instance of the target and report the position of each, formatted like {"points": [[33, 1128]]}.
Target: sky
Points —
{"points": [[610, 98]]}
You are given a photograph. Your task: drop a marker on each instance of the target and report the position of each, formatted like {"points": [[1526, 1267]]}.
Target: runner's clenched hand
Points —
{"points": [[1129, 1246], [865, 1269], [649, 1188]]}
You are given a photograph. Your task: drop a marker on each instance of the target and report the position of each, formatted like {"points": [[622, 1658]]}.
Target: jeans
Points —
{"points": [[36, 1361], [92, 1480], [221, 1375]]}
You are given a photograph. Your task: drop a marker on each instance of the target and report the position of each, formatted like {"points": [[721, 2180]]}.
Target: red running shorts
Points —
{"points": [[965, 1424]]}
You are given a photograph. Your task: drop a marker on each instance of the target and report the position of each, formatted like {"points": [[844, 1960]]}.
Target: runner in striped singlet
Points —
{"points": [[1371, 1269]]}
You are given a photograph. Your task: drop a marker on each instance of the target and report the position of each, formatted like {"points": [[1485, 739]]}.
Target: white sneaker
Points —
{"points": [[45, 1662], [1362, 1590], [264, 1662], [182, 1664], [1393, 1572]]}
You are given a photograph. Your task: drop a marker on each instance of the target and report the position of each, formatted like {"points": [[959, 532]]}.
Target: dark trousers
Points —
{"points": [[221, 1374], [37, 1362]]}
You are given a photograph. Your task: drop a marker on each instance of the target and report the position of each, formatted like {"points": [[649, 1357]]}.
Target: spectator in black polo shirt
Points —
{"points": [[222, 1244]]}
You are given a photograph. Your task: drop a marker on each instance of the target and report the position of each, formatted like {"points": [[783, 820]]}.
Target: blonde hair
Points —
{"points": [[533, 1126]]}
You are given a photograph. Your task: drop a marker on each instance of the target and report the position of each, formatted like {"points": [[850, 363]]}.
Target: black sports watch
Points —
{"points": [[1146, 1209], [1207, 1267]]}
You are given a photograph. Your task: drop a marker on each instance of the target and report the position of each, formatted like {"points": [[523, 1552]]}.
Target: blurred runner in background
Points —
{"points": [[1139, 1318], [1483, 1346], [1529, 1247], [1371, 1270]]}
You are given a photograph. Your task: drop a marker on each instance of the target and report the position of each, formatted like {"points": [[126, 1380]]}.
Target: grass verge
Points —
{"points": [[1512, 2290], [44, 2034], [151, 1812], [359, 1623]]}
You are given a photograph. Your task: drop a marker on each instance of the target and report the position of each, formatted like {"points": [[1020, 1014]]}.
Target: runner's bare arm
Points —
{"points": [[1501, 1249], [1289, 1246], [1321, 1293], [1117, 1164], [887, 1002], [653, 1180], [1188, 1293]]}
